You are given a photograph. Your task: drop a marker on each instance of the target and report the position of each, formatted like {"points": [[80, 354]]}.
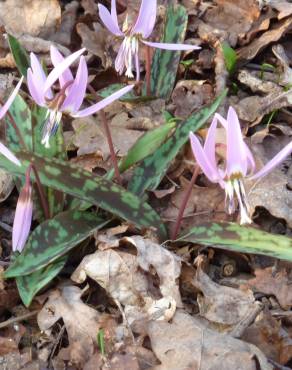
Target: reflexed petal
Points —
{"points": [[77, 90], [210, 143], [120, 58], [58, 58], [236, 157], [137, 64], [103, 103], [8, 154], [22, 219], [9, 101], [61, 67], [110, 20], [203, 161], [34, 90], [165, 46], [273, 162], [146, 18], [38, 76]]}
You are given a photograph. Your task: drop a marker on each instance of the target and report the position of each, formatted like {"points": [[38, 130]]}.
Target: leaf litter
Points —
{"points": [[131, 302]]}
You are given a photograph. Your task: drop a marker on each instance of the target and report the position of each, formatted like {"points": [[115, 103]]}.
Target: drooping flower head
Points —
{"points": [[71, 93], [239, 164], [128, 54], [23, 215]]}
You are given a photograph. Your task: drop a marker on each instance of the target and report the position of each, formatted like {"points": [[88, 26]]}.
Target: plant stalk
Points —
{"points": [[148, 69], [43, 199]]}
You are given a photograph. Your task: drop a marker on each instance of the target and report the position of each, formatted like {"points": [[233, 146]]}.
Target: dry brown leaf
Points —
{"points": [[6, 185], [186, 343], [69, 15], [34, 17], [277, 284], [221, 304], [284, 7], [90, 7], [81, 321]]}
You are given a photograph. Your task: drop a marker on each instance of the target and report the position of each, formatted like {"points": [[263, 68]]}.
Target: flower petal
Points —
{"points": [[273, 162], [210, 143], [61, 67], [34, 89], [110, 20], [103, 103], [146, 18], [9, 101], [166, 46], [77, 90], [8, 154], [203, 161], [236, 157], [57, 58]]}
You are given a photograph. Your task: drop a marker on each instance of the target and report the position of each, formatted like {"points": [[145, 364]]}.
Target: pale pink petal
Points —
{"points": [[9, 101], [120, 58], [103, 103], [9, 155], [38, 76], [22, 219], [137, 64], [146, 18], [166, 46], [34, 90], [273, 162], [57, 58], [77, 90], [210, 143], [110, 20], [61, 67], [236, 157], [203, 161]]}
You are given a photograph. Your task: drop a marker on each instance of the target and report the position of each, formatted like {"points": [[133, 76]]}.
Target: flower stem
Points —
{"points": [[109, 138], [184, 203], [43, 199], [148, 69], [16, 128]]}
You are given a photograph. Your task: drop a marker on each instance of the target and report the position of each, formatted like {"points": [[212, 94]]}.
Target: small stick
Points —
{"points": [[148, 69], [109, 138], [16, 128], [184, 203], [17, 319], [43, 199]]}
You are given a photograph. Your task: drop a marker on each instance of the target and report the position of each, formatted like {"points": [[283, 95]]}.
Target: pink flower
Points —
{"points": [[72, 90], [3, 110], [128, 54], [23, 215], [240, 163]]}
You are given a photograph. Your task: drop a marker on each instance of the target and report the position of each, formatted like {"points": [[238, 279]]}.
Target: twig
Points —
{"points": [[184, 202], [109, 137], [148, 69], [18, 319]]}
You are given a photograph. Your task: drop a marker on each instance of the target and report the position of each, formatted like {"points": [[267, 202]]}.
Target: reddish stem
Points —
{"points": [[148, 69], [184, 203], [43, 199], [109, 138]]}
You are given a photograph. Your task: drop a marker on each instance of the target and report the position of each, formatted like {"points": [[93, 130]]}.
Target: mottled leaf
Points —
{"points": [[19, 54], [129, 97], [82, 184], [53, 239], [231, 236], [165, 63], [144, 146], [29, 285], [150, 172]]}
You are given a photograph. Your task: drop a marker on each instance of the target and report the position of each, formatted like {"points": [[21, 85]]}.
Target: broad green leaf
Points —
{"points": [[29, 285], [148, 175], [19, 54], [230, 57], [129, 97], [144, 146], [165, 63], [53, 239], [82, 184], [231, 236]]}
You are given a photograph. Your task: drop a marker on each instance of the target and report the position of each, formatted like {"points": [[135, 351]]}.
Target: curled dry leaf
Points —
{"points": [[6, 185], [81, 321], [277, 284], [222, 304], [186, 343], [36, 18], [69, 15]]}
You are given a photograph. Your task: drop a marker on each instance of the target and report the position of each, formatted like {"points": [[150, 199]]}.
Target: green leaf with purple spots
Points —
{"points": [[19, 54], [84, 185], [29, 285], [234, 237], [149, 173], [53, 239]]}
